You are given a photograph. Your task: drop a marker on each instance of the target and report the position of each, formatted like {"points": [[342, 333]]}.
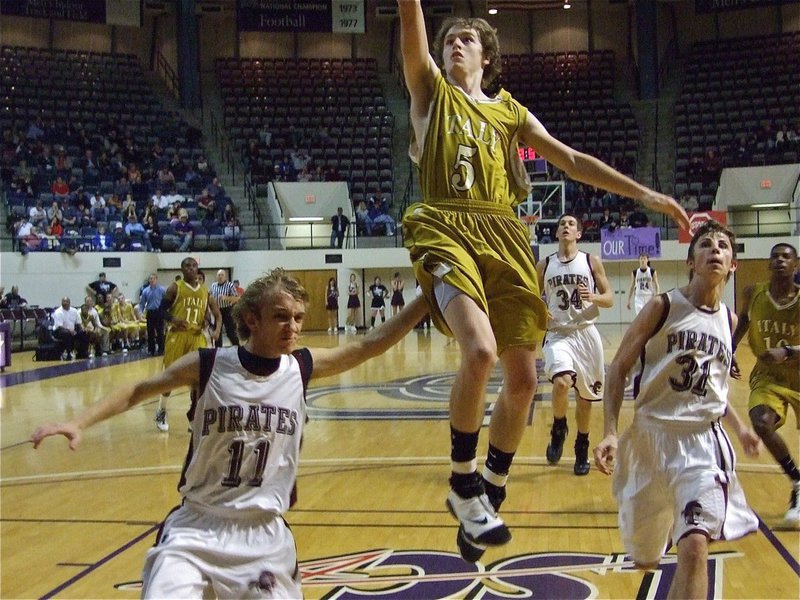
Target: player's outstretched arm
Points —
{"points": [[419, 68], [588, 169], [330, 361], [185, 371], [630, 348]]}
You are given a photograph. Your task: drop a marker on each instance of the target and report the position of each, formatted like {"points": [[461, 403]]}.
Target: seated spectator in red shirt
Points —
{"points": [[60, 188]]}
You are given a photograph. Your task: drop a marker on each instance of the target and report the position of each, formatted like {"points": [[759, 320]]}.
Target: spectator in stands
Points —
{"points": [[166, 179], [793, 137], [37, 215], [56, 227], [123, 187], [60, 189], [591, 229], [68, 332], [70, 216], [114, 206], [363, 220], [177, 168], [545, 233], [134, 174], [376, 213], [712, 166], [13, 300], [331, 174], [229, 212], [695, 168], [137, 235], [608, 221], [624, 220], [184, 230], [128, 207], [160, 200], [265, 134], [119, 239], [98, 206], [305, 174], [232, 233], [318, 174], [206, 207], [102, 241], [689, 201], [54, 211], [216, 190], [35, 130], [174, 212], [91, 169], [26, 235], [87, 219], [638, 219], [153, 232], [339, 226], [192, 177], [203, 168], [300, 159]]}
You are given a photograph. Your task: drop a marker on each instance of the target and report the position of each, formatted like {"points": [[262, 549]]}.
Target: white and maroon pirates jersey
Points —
{"points": [[561, 279], [683, 370], [246, 433], [644, 287]]}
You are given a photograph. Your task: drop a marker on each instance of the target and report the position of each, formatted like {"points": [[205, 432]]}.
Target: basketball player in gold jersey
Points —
{"points": [[184, 308], [771, 315], [472, 256]]}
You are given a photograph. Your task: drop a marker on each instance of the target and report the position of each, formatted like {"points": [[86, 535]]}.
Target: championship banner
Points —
{"points": [[109, 12], [696, 219], [629, 242], [301, 16], [705, 7]]}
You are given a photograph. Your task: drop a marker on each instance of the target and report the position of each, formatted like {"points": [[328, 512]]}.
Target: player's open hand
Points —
{"points": [[735, 371], [605, 453], [68, 430], [668, 206], [751, 443]]}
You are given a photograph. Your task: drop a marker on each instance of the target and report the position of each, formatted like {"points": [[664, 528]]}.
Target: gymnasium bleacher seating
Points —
{"points": [[297, 99], [734, 89], [81, 97], [572, 94]]}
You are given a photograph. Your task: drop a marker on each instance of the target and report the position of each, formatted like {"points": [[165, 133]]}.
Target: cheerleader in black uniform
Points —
{"points": [[398, 302], [378, 293], [353, 304], [332, 305]]}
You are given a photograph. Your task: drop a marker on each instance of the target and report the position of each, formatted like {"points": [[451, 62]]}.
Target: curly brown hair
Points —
{"points": [[260, 291], [489, 41]]}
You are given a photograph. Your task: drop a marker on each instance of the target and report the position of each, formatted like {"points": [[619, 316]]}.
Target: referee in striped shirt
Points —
{"points": [[224, 292]]}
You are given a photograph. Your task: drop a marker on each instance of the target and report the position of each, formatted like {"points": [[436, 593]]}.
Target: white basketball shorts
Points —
{"points": [[580, 352]]}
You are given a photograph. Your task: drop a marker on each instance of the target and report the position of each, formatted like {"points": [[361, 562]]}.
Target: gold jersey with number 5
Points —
{"points": [[465, 231]]}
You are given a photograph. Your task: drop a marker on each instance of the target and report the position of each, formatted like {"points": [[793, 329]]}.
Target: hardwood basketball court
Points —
{"points": [[370, 520]]}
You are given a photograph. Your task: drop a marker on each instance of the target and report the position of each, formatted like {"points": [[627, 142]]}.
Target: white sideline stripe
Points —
{"points": [[315, 462]]}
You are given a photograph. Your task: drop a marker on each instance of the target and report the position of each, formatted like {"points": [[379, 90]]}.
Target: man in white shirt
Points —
{"points": [[68, 332]]}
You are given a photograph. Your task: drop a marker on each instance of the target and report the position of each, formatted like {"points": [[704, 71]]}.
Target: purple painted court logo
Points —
{"points": [[413, 574]]}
